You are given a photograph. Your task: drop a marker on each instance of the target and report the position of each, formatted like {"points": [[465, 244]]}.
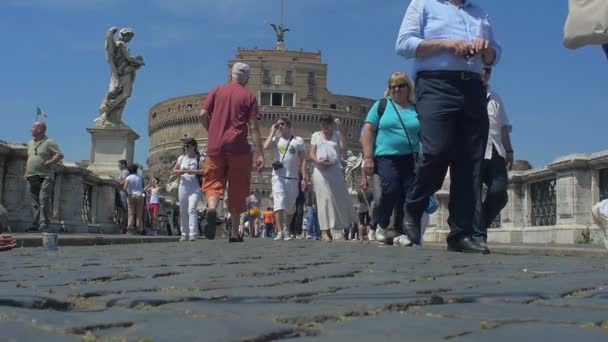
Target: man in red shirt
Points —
{"points": [[227, 113]]}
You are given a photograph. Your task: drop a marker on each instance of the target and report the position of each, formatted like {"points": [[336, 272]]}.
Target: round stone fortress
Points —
{"points": [[286, 83]]}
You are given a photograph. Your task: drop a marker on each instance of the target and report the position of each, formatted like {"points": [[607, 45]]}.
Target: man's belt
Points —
{"points": [[452, 75]]}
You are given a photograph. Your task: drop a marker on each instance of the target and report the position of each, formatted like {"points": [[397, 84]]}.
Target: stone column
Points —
{"points": [[573, 190]]}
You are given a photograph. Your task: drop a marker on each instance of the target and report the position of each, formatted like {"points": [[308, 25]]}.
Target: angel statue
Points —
{"points": [[352, 164], [280, 32], [122, 70]]}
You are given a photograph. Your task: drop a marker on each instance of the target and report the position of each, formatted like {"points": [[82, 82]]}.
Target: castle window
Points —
{"points": [[278, 80], [311, 91], [189, 106], [314, 105], [265, 99], [277, 99], [332, 106], [363, 109], [311, 78], [289, 77], [154, 115], [288, 99], [266, 76], [347, 108]]}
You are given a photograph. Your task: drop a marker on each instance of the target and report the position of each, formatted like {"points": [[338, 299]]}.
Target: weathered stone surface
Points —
{"points": [[264, 290]]}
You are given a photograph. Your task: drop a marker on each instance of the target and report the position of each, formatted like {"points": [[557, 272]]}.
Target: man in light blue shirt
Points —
{"points": [[450, 42]]}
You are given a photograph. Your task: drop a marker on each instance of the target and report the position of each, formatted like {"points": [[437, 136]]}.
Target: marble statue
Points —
{"points": [[122, 70], [280, 32], [353, 163]]}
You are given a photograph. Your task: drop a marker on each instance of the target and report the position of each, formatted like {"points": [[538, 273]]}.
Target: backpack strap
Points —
{"points": [[381, 107]]}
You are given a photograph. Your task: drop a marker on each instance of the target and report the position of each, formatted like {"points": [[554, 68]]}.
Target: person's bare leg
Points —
{"points": [[278, 219]]}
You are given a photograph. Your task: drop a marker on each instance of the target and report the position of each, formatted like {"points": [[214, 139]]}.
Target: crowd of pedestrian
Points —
{"points": [[445, 118]]}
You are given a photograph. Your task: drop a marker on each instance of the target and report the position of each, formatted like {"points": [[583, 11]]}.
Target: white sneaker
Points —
{"points": [[380, 234], [402, 240], [371, 235], [192, 238], [183, 238], [299, 237], [289, 237], [279, 236]]}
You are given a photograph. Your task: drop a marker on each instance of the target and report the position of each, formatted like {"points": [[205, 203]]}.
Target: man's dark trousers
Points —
{"points": [[453, 131], [494, 176]]}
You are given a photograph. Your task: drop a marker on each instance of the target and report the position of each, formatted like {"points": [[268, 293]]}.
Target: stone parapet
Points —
{"points": [[82, 201], [548, 205]]}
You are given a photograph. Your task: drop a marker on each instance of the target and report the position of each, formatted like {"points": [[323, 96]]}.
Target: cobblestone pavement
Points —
{"points": [[264, 290]]}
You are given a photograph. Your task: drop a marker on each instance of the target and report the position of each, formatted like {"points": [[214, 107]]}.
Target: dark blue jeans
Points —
{"points": [[453, 116], [396, 178]]}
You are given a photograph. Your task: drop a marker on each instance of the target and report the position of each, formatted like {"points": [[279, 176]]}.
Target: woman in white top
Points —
{"points": [[134, 186], [154, 204], [189, 167], [334, 204]]}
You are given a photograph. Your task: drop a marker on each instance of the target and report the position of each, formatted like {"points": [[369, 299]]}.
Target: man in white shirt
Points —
{"points": [[497, 160], [289, 160]]}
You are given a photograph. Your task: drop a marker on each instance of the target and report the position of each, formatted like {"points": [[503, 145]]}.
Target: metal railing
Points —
{"points": [[544, 202]]}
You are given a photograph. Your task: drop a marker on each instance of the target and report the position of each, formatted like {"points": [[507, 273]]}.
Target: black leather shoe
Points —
{"points": [[482, 244], [238, 238], [467, 245], [411, 227]]}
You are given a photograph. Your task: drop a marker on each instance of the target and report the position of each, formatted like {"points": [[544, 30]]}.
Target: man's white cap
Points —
{"points": [[240, 71]]}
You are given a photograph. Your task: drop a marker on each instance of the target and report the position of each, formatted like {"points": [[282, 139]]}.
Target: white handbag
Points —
{"points": [[587, 23]]}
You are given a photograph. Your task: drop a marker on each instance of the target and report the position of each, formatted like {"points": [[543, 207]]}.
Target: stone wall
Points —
{"points": [[82, 201], [548, 205]]}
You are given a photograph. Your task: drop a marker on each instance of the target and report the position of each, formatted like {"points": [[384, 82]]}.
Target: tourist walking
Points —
{"points": [[133, 185], [449, 41], [122, 200], [498, 159], [313, 223], [228, 113], [154, 204], [288, 161], [253, 212], [42, 154], [268, 230], [334, 204], [390, 148], [297, 220], [189, 169]]}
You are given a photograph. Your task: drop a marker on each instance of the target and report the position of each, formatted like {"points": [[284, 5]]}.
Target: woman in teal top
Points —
{"points": [[390, 144]]}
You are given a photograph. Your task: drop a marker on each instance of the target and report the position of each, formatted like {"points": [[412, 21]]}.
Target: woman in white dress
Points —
{"points": [[334, 204], [189, 168]]}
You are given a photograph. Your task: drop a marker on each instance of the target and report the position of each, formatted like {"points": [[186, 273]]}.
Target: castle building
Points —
{"points": [[286, 83]]}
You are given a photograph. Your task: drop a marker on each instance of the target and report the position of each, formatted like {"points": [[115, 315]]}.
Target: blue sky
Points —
{"points": [[53, 56]]}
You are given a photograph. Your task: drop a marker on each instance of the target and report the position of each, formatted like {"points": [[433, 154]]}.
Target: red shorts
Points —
{"points": [[154, 208]]}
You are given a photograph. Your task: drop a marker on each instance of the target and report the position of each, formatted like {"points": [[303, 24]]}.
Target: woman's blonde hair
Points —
{"points": [[401, 77]]}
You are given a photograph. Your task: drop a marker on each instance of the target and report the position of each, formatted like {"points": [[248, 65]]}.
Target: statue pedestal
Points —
{"points": [[280, 46], [109, 145]]}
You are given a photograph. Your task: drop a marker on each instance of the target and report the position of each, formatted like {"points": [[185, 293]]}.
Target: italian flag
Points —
{"points": [[41, 113]]}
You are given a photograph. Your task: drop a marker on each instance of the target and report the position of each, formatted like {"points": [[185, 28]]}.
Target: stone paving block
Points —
{"points": [[264, 290]]}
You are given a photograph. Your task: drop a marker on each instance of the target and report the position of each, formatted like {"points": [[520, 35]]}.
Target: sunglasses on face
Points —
{"points": [[186, 146], [398, 86], [280, 124]]}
